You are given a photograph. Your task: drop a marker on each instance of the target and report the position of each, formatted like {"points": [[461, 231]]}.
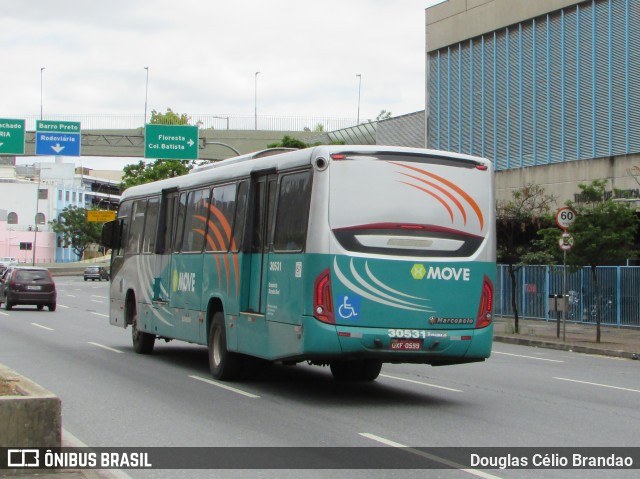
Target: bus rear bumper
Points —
{"points": [[436, 346]]}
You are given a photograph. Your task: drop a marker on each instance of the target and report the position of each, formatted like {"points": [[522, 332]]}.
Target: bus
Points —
{"points": [[340, 256]]}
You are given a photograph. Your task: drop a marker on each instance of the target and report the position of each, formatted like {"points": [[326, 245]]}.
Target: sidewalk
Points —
{"points": [[580, 338]]}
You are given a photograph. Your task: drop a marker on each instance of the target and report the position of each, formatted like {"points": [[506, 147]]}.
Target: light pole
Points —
{"points": [[41, 70], [255, 100], [146, 93], [359, 75]]}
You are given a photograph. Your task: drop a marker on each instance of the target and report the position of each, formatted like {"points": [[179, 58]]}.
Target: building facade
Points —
{"points": [[549, 90], [33, 196]]}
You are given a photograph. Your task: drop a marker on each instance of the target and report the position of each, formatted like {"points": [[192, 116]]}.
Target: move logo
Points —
{"points": [[184, 282], [447, 273]]}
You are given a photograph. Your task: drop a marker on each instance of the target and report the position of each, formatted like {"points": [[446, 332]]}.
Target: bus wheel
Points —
{"points": [[142, 342], [224, 365], [360, 370]]}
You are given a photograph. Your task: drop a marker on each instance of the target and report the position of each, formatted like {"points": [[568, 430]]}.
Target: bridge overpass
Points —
{"points": [[214, 144]]}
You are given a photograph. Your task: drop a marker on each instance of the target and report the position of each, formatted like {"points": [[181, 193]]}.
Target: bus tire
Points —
{"points": [[224, 364], [142, 342], [358, 370]]}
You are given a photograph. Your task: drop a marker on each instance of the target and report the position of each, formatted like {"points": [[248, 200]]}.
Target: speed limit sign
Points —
{"points": [[564, 217]]}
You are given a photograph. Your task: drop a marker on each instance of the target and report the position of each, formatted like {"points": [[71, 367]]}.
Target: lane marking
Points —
{"points": [[224, 386], [529, 357], [421, 383], [63, 306], [99, 314], [70, 295], [105, 347], [4, 314], [597, 384], [69, 440], [431, 457], [97, 301], [43, 327], [97, 296]]}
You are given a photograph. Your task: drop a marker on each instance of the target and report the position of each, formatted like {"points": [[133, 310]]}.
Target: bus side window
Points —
{"points": [[292, 217], [151, 225], [124, 213], [165, 223], [136, 227], [221, 209], [195, 223], [240, 216], [177, 237]]}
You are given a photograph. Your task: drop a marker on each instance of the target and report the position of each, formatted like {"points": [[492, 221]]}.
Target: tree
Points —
{"points": [[517, 222], [383, 115], [604, 232], [76, 230], [146, 172]]}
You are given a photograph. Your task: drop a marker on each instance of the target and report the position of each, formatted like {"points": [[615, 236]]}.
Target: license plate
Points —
{"points": [[406, 344], [34, 288]]}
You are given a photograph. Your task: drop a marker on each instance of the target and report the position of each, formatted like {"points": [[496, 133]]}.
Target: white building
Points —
{"points": [[32, 196]]}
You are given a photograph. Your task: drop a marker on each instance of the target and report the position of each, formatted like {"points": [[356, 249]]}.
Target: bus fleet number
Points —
{"points": [[407, 333]]}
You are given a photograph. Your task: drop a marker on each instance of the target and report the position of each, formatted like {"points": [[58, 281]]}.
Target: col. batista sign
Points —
{"points": [[171, 142]]}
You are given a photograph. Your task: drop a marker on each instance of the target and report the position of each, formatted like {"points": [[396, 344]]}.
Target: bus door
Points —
{"points": [[162, 273], [259, 236]]}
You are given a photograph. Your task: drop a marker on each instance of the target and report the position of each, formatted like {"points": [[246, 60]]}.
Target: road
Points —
{"points": [[112, 397]]}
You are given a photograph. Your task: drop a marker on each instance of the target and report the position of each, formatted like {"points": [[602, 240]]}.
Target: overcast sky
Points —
{"points": [[203, 54]]}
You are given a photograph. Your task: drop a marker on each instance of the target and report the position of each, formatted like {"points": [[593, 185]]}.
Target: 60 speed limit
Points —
{"points": [[564, 217]]}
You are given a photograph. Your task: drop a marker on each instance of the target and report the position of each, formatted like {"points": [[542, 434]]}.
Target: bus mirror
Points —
{"points": [[111, 234]]}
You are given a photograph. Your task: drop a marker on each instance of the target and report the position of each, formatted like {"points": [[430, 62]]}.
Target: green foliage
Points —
{"points": [[169, 118], [290, 142], [144, 172], [76, 230], [383, 115], [517, 221]]}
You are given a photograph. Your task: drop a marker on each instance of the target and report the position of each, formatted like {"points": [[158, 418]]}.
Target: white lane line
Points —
{"points": [[99, 314], [63, 306], [97, 301], [431, 457], [69, 440], [528, 357], [97, 296], [70, 295], [105, 347], [224, 386], [4, 314], [597, 384], [43, 327], [421, 383]]}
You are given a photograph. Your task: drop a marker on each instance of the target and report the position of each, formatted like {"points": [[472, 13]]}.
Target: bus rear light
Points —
{"points": [[337, 156], [485, 311], [482, 167], [322, 298]]}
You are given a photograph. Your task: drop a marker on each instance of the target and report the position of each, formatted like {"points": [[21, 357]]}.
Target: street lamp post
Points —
{"points": [[255, 100], [359, 75], [41, 70], [146, 95]]}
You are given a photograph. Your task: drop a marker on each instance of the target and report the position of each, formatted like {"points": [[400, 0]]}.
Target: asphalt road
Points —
{"points": [[112, 397]]}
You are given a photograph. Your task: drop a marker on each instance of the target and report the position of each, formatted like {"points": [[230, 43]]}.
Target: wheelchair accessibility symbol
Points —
{"points": [[350, 307]]}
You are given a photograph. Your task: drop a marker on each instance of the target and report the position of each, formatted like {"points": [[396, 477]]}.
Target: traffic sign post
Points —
{"points": [[564, 219], [172, 142], [11, 137], [58, 138]]}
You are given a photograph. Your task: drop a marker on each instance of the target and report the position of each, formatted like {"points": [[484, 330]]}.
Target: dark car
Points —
{"points": [[96, 272], [28, 285]]}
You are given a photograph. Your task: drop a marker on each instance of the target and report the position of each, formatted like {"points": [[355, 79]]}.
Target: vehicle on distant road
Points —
{"points": [[25, 285], [96, 272]]}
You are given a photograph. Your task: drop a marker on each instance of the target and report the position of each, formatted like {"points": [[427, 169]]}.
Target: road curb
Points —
{"points": [[565, 347]]}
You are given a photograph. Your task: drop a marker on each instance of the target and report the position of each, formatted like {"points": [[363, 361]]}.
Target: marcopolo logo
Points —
{"points": [[447, 273]]}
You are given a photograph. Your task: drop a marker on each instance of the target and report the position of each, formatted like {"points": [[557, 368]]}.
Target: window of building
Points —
{"points": [[40, 219], [43, 194], [12, 218], [59, 195], [73, 197], [66, 196]]}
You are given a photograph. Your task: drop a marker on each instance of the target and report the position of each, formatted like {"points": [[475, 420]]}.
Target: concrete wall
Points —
{"points": [[456, 20], [562, 179]]}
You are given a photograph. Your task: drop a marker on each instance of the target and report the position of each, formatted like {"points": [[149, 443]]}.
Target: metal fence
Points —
{"points": [[202, 120], [619, 294]]}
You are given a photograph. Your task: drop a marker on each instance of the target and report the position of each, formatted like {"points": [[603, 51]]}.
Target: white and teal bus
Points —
{"points": [[346, 256]]}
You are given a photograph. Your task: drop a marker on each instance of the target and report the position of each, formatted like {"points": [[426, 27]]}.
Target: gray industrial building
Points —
{"points": [[547, 89]]}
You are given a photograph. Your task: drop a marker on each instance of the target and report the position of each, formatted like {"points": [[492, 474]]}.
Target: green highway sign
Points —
{"points": [[171, 142], [58, 126], [11, 137]]}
